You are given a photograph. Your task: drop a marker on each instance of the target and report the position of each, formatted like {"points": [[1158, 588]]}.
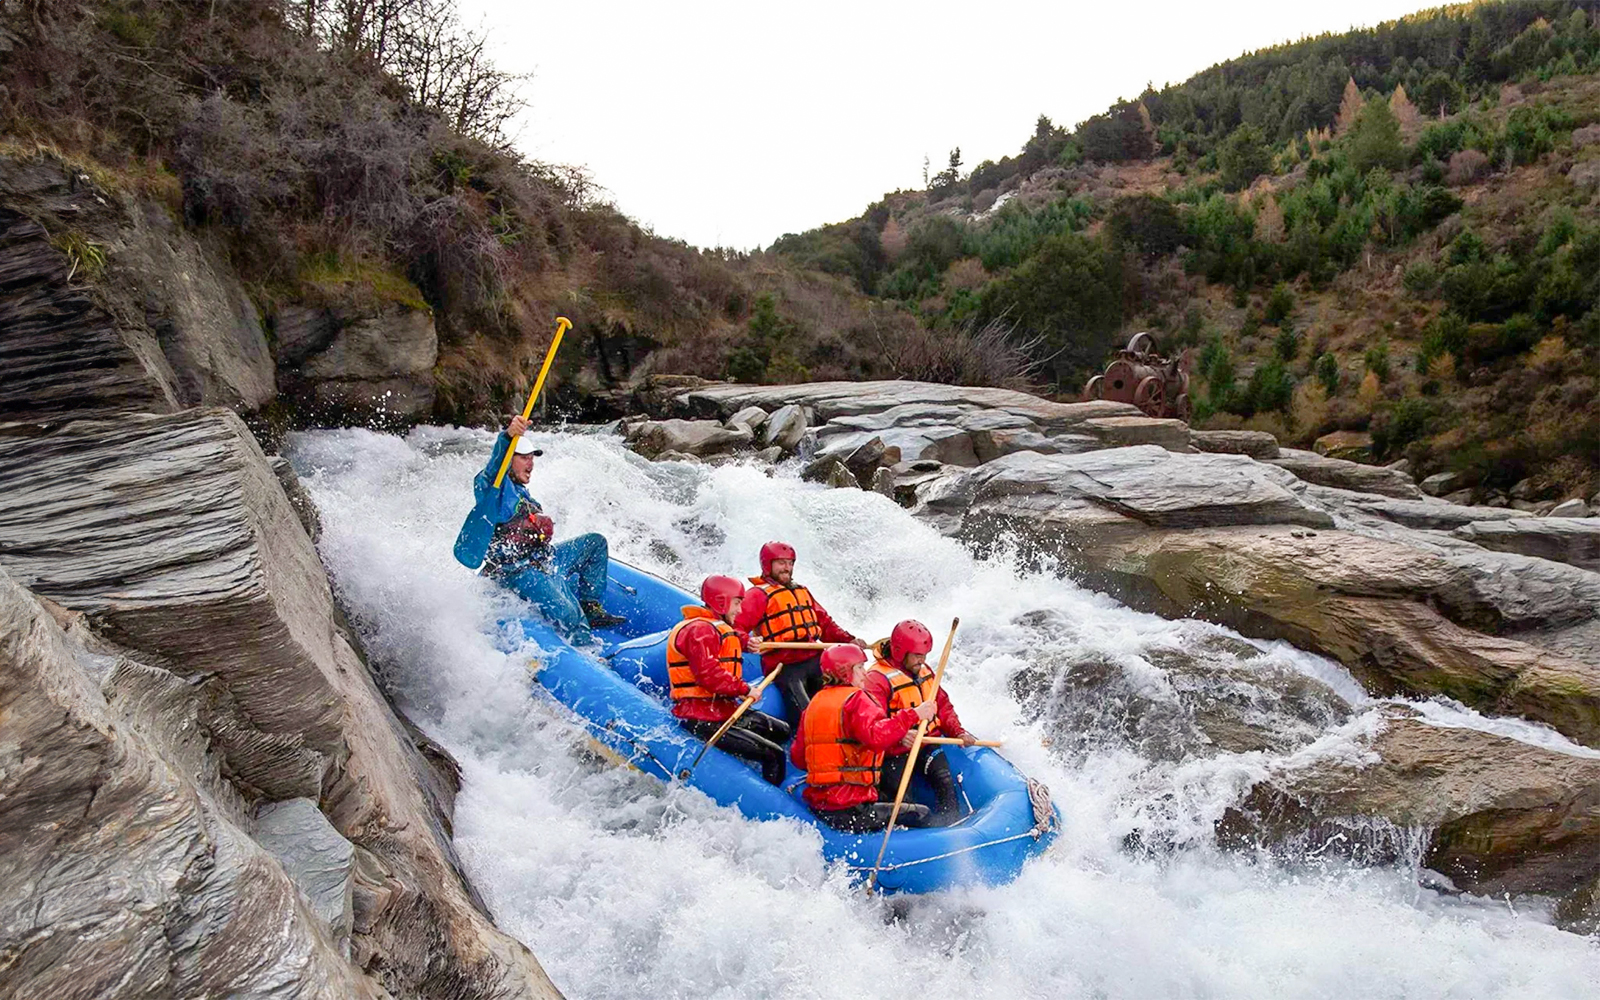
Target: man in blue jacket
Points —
{"points": [[509, 534]]}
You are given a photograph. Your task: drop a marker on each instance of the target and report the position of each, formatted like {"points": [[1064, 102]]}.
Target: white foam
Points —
{"points": [[626, 889]]}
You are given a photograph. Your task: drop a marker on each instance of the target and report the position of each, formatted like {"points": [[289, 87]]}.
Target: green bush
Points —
{"points": [[1287, 344], [1377, 360], [1243, 157], [1327, 370], [1271, 387], [1420, 278], [1280, 304], [1147, 223], [1397, 426]]}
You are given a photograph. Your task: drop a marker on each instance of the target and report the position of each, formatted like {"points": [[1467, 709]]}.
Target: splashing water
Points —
{"points": [[625, 888]]}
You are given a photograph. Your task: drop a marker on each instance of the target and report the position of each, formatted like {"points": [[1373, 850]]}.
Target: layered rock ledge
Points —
{"points": [[171, 537]]}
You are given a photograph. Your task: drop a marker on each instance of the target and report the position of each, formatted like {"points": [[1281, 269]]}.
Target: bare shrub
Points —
{"points": [[990, 355], [1466, 166]]}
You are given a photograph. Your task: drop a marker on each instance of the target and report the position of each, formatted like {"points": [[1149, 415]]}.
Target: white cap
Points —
{"points": [[525, 447]]}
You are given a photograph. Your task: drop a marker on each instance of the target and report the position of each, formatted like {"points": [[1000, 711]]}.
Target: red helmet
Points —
{"points": [[774, 550], [719, 591], [839, 661], [908, 637]]}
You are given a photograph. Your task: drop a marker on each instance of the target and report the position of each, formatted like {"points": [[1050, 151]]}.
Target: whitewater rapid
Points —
{"points": [[626, 889]]}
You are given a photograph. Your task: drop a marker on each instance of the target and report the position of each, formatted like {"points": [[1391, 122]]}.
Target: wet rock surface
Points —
{"points": [[174, 539], [1494, 815], [120, 875], [369, 364]]}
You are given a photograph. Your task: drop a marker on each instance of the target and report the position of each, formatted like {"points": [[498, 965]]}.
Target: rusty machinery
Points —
{"points": [[1156, 385]]}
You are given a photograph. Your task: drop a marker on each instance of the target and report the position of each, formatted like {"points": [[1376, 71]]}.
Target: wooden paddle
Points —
{"points": [[911, 757], [562, 323], [951, 741], [750, 699], [808, 645]]}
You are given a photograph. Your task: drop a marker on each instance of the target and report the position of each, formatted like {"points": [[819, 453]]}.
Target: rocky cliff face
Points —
{"points": [[202, 790]]}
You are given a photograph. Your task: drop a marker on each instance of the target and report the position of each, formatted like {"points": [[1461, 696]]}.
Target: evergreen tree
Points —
{"points": [[1374, 140], [1243, 157]]}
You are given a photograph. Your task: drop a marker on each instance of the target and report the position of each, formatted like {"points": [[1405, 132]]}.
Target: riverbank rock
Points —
{"points": [[110, 289], [356, 364], [1569, 539], [1256, 444], [1242, 543], [172, 535], [700, 438], [120, 875], [1340, 474], [1496, 816]]}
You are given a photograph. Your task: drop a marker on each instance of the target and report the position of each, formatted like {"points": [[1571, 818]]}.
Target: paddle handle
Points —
{"points": [[749, 700], [911, 757], [562, 323], [951, 741], [808, 645]]}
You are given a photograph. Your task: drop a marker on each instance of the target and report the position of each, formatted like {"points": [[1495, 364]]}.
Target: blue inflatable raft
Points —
{"points": [[620, 696]]}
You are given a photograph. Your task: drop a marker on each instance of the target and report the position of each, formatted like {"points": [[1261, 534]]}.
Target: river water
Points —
{"points": [[627, 889]]}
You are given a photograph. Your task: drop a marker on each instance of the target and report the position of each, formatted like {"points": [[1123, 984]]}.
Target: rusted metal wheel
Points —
{"points": [[1151, 395], [1183, 409], [1094, 388], [1141, 343]]}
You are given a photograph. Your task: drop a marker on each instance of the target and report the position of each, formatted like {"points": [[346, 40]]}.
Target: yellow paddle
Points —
{"points": [[911, 758], [750, 699], [562, 324]]}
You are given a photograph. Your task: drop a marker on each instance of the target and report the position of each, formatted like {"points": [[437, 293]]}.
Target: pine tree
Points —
{"points": [[1349, 108], [1374, 139]]}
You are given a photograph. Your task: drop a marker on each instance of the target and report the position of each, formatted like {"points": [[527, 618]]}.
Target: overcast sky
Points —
{"points": [[729, 124]]}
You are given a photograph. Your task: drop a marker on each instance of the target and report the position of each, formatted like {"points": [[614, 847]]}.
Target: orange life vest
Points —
{"points": [[730, 655], [791, 614], [832, 757], [907, 693]]}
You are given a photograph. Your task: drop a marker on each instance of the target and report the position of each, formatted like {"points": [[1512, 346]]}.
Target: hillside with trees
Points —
{"points": [[356, 151], [1393, 233]]}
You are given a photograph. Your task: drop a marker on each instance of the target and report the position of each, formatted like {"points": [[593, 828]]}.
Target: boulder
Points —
{"points": [[173, 535], [751, 416], [1570, 508], [1338, 473], [1256, 444], [121, 877], [1570, 540], [785, 427], [1495, 816], [865, 460], [828, 470], [1440, 483], [109, 288], [1353, 446], [883, 481], [770, 455], [1400, 465], [690, 437]]}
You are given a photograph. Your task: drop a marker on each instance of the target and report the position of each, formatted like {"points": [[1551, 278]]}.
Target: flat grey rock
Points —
{"points": [[1574, 540]]}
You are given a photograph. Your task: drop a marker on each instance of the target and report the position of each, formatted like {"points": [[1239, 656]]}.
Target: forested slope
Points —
{"points": [[1393, 232]]}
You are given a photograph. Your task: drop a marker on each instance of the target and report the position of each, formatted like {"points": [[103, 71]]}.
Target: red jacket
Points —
{"points": [[755, 608], [699, 641], [865, 722], [877, 686]]}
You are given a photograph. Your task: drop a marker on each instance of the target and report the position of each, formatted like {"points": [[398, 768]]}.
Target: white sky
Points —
{"points": [[731, 123]]}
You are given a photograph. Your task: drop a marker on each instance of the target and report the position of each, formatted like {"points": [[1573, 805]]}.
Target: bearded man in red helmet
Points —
{"points": [[901, 679], [705, 670], [840, 743], [779, 610]]}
